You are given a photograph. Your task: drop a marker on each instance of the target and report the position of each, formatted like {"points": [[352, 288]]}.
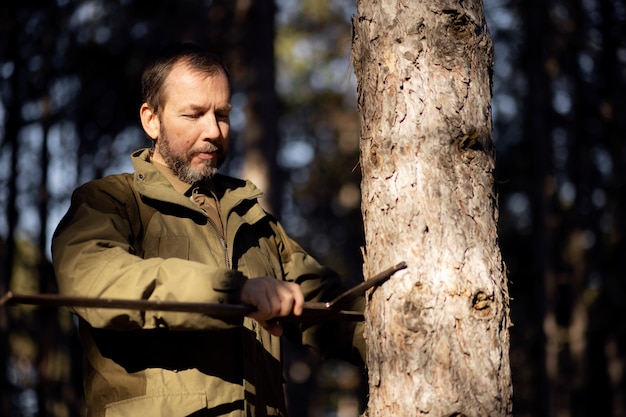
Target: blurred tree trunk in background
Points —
{"points": [[254, 73], [12, 122], [574, 65], [536, 123], [437, 334], [10, 143], [607, 350]]}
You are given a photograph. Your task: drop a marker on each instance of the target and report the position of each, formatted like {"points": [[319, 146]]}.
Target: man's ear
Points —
{"points": [[150, 121]]}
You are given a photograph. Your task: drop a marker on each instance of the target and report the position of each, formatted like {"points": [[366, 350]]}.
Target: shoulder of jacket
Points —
{"points": [[227, 182], [110, 181], [115, 194], [118, 187], [244, 189]]}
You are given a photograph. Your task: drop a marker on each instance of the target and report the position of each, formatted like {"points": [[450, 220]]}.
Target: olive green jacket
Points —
{"points": [[134, 236]]}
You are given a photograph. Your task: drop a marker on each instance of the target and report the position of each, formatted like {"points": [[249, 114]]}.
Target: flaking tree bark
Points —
{"points": [[437, 332]]}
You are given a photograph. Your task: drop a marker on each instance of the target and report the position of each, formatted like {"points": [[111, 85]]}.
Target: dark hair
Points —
{"points": [[155, 73]]}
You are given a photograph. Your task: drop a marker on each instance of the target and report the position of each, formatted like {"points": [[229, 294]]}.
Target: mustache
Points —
{"points": [[208, 148]]}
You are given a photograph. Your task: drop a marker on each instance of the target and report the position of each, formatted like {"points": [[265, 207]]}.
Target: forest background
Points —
{"points": [[69, 89]]}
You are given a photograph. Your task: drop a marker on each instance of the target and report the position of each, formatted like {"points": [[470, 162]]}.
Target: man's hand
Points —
{"points": [[272, 298]]}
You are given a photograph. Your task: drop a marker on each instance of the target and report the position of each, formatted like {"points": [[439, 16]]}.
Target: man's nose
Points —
{"points": [[211, 128]]}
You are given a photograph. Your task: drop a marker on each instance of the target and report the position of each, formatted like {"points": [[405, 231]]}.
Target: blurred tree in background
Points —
{"points": [[69, 90], [560, 73]]}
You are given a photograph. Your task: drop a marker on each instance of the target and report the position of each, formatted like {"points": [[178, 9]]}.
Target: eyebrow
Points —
{"points": [[196, 107], [227, 107]]}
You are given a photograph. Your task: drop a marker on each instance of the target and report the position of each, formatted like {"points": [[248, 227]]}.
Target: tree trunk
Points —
{"points": [[255, 72], [537, 123], [437, 332]]}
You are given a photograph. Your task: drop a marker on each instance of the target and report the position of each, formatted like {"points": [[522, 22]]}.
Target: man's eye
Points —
{"points": [[193, 115], [223, 116]]}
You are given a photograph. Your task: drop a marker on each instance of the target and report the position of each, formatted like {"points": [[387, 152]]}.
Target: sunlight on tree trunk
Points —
{"points": [[438, 333]]}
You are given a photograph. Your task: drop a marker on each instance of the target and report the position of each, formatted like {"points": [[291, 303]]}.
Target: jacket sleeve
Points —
{"points": [[94, 255], [336, 339]]}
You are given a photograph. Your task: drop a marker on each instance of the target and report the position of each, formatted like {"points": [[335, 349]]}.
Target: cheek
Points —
{"points": [[225, 130], [180, 136]]}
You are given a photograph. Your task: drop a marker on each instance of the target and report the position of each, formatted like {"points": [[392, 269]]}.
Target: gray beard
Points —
{"points": [[179, 163]]}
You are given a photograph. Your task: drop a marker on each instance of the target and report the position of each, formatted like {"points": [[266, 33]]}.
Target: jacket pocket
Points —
{"points": [[173, 247], [164, 405]]}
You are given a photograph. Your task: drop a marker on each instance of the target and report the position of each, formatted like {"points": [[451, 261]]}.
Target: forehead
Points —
{"points": [[186, 82]]}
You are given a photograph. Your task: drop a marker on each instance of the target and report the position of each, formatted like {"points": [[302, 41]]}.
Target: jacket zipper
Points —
{"points": [[222, 241], [217, 232]]}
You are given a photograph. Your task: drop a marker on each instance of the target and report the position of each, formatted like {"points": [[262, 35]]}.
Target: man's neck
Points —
{"points": [[178, 184]]}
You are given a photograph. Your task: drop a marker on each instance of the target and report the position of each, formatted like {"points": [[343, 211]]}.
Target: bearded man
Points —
{"points": [[176, 230]]}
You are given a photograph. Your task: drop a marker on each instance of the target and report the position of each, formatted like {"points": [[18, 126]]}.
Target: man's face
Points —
{"points": [[194, 123]]}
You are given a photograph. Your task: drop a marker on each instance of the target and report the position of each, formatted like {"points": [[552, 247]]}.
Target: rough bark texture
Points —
{"points": [[438, 331]]}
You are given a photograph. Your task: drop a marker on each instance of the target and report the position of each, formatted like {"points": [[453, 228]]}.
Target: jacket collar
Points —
{"points": [[151, 182], [179, 185]]}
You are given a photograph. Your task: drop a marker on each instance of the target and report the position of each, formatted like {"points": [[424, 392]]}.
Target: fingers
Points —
{"points": [[298, 299], [272, 298]]}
